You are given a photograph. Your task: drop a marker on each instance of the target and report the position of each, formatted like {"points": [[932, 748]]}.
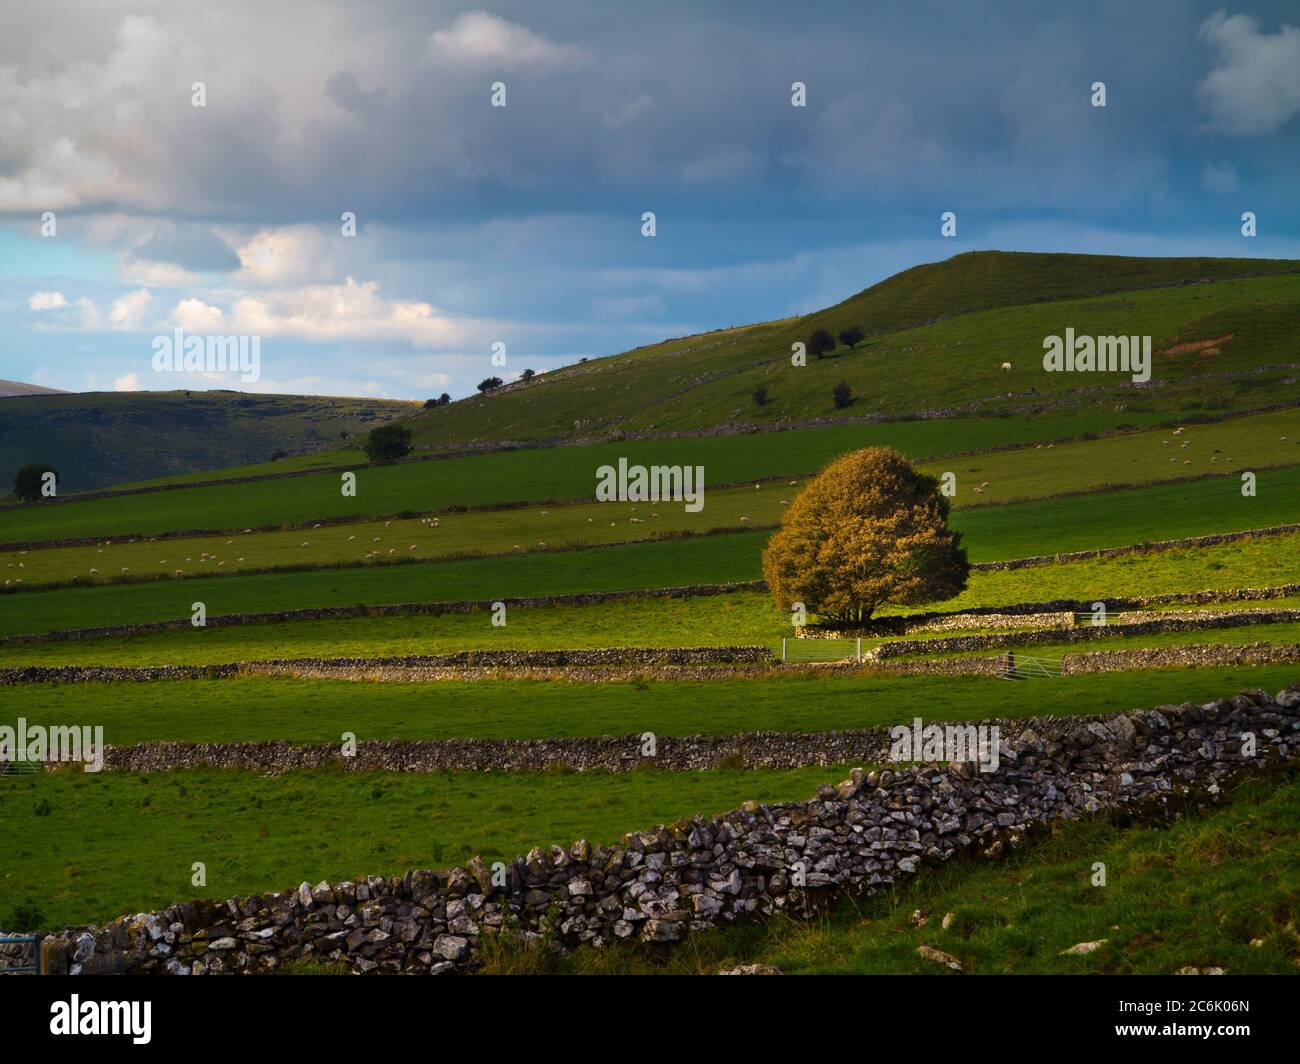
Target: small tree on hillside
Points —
{"points": [[527, 375], [444, 399], [487, 384], [851, 337], [760, 395], [386, 442], [867, 531], [29, 481], [842, 394], [820, 343]]}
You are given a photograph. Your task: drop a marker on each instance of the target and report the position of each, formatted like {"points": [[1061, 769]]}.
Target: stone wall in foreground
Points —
{"points": [[755, 861]]}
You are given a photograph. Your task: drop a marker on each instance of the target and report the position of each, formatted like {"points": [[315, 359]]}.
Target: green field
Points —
{"points": [[1267, 561], [992, 533], [88, 847], [250, 709], [512, 476]]}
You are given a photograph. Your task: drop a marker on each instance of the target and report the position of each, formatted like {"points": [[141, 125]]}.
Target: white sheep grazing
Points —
{"points": [[1006, 365]]}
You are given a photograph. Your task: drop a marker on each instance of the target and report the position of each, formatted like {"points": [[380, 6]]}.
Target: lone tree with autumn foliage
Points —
{"points": [[867, 531]]}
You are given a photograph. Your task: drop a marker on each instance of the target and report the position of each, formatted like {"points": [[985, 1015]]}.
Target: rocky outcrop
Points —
{"points": [[657, 886]]}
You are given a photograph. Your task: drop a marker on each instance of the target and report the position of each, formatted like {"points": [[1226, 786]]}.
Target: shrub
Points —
{"points": [[760, 395], [842, 394], [28, 481], [820, 343], [387, 442], [488, 383], [867, 531]]}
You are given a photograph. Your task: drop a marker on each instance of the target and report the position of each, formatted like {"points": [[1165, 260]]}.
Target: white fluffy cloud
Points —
{"points": [[194, 315], [352, 310], [46, 301], [131, 311], [1255, 85], [478, 37]]}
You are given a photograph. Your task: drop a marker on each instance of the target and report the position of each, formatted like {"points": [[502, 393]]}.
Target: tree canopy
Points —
{"points": [[869, 530]]}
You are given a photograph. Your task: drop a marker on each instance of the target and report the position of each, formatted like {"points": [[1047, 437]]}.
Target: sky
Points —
{"points": [[128, 211]]}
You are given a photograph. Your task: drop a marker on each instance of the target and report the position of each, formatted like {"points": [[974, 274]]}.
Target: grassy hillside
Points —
{"points": [[95, 439], [937, 335]]}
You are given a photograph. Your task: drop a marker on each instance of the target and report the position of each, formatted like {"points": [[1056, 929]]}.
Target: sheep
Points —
{"points": [[1006, 365]]}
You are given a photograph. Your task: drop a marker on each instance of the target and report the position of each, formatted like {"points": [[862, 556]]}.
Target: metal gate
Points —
{"points": [[32, 967]]}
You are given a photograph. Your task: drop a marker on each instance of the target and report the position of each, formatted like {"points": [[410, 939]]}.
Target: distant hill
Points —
{"points": [[937, 336], [8, 388], [95, 439]]}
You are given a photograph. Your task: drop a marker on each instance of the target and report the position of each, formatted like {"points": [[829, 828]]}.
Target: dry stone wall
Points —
{"points": [[965, 643], [657, 886]]}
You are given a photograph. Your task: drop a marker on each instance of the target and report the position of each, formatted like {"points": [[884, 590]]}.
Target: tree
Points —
{"points": [[842, 394], [820, 343], [867, 531], [429, 404], [851, 336], [760, 395], [488, 384], [386, 442], [527, 375], [29, 480]]}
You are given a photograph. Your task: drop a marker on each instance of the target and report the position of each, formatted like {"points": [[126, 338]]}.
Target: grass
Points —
{"points": [[745, 618], [693, 382], [1215, 890], [87, 847], [513, 476], [692, 561], [250, 709], [992, 533]]}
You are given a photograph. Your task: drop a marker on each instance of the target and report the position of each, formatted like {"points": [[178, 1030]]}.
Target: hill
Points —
{"points": [[99, 438], [11, 388], [936, 338]]}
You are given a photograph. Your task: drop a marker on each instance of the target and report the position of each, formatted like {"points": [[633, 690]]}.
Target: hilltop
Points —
{"points": [[11, 388], [99, 438], [936, 338]]}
